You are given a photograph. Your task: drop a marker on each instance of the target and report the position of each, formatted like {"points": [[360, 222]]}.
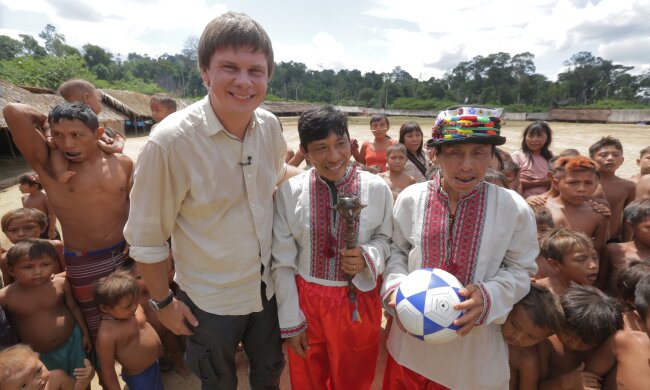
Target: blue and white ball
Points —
{"points": [[425, 305]]}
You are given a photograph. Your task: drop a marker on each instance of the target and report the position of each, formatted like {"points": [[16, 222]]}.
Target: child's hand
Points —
{"points": [[537, 200], [84, 375], [299, 344], [579, 379], [88, 346], [392, 304], [600, 208]]}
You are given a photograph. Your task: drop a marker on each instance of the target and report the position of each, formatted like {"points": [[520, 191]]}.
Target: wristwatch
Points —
{"points": [[158, 306]]}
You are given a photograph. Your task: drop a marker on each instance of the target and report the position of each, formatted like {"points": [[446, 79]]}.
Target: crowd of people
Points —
{"points": [[216, 241]]}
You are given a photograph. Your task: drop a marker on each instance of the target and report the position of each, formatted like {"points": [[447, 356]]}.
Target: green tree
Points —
{"points": [[9, 47], [31, 47]]}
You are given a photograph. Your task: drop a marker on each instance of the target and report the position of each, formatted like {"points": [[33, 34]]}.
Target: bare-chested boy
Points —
{"points": [[23, 224], [608, 155], [161, 107], [394, 176], [92, 206], [627, 351], [34, 198], [125, 335], [42, 308], [591, 317], [644, 164], [637, 218], [572, 259], [576, 179], [21, 369], [625, 281]]}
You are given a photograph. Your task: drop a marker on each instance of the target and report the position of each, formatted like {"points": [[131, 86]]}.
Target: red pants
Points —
{"points": [[398, 377], [342, 354]]}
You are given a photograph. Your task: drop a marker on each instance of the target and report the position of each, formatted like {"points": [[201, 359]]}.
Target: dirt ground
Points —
{"points": [[565, 135]]}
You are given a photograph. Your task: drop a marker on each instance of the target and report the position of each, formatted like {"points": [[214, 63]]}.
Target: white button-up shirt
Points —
{"points": [[213, 194]]}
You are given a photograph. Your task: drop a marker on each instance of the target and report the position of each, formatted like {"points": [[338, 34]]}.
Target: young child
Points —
{"points": [[395, 177], [545, 225], [161, 106], [571, 256], [331, 338], [373, 153], [533, 158], [125, 335], [21, 369], [576, 179], [42, 308], [22, 224], [591, 317], [92, 207], [627, 351], [624, 284], [537, 316], [644, 164], [608, 155], [637, 219], [34, 198], [511, 172]]}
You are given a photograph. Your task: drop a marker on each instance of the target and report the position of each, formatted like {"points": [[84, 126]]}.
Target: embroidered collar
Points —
{"points": [[342, 182], [463, 196]]}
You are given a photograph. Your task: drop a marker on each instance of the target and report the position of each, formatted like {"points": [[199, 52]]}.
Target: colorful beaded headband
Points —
{"points": [[469, 124]]}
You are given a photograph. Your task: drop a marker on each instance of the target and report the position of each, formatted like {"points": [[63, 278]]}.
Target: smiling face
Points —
{"points": [[330, 156], [75, 139], [463, 166], [237, 79]]}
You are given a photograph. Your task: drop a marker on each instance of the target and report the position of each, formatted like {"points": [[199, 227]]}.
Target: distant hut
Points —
{"points": [[287, 108], [134, 105]]}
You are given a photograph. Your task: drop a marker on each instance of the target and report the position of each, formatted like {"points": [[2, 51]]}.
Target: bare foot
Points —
{"points": [[66, 176]]}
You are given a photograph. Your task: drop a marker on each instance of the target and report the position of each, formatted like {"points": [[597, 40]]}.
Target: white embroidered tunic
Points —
{"points": [[491, 242], [307, 236]]}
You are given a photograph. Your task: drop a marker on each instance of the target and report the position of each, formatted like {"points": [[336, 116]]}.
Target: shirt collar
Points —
{"points": [[212, 124]]}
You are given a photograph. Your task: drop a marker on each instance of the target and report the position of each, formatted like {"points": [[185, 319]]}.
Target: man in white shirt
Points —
{"points": [[333, 339], [206, 178], [482, 234]]}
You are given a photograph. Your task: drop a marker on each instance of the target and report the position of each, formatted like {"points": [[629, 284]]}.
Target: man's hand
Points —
{"points": [[352, 262], [174, 317], [299, 344], [391, 305], [472, 307]]}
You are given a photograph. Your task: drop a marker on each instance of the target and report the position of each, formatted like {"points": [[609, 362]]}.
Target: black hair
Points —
{"points": [[603, 142], [637, 211], [510, 165], [538, 127], [378, 118], [642, 297], [627, 278], [591, 314], [28, 179], [407, 128], [317, 123], [495, 177], [71, 111], [543, 307], [31, 249]]}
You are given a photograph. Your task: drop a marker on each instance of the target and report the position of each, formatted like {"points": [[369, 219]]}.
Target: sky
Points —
{"points": [[425, 38]]}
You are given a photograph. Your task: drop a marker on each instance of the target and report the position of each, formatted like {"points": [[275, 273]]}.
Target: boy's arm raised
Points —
{"points": [[23, 122]]}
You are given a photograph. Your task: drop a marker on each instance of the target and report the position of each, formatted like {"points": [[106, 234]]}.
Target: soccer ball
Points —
{"points": [[425, 305]]}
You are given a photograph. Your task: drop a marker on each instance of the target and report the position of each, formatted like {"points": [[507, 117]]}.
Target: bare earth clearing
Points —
{"points": [[566, 135]]}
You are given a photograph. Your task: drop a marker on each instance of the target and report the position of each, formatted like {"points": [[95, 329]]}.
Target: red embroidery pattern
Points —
{"points": [[454, 251], [327, 235]]}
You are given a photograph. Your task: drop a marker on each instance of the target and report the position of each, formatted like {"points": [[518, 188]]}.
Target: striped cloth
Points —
{"points": [[83, 269]]}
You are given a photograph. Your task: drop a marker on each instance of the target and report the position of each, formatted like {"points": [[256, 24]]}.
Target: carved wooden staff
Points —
{"points": [[349, 209]]}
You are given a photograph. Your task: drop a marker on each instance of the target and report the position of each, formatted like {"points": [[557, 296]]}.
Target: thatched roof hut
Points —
{"points": [[287, 108], [132, 104]]}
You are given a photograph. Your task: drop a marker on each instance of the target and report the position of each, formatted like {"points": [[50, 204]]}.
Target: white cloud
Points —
{"points": [[324, 51]]}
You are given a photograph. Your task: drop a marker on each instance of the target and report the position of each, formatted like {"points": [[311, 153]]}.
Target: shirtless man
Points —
{"points": [[93, 205], [576, 179], [608, 155]]}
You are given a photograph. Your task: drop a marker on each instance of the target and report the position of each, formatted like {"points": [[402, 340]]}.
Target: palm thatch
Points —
{"points": [[132, 104], [287, 108]]}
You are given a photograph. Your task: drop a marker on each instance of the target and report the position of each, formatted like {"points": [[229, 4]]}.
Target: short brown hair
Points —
{"points": [[400, 148], [111, 289], [72, 90], [31, 249], [12, 360], [561, 241], [167, 101], [36, 215], [543, 307], [234, 30]]}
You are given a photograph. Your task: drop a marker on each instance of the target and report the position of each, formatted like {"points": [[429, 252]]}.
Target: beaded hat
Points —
{"points": [[468, 125]]}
